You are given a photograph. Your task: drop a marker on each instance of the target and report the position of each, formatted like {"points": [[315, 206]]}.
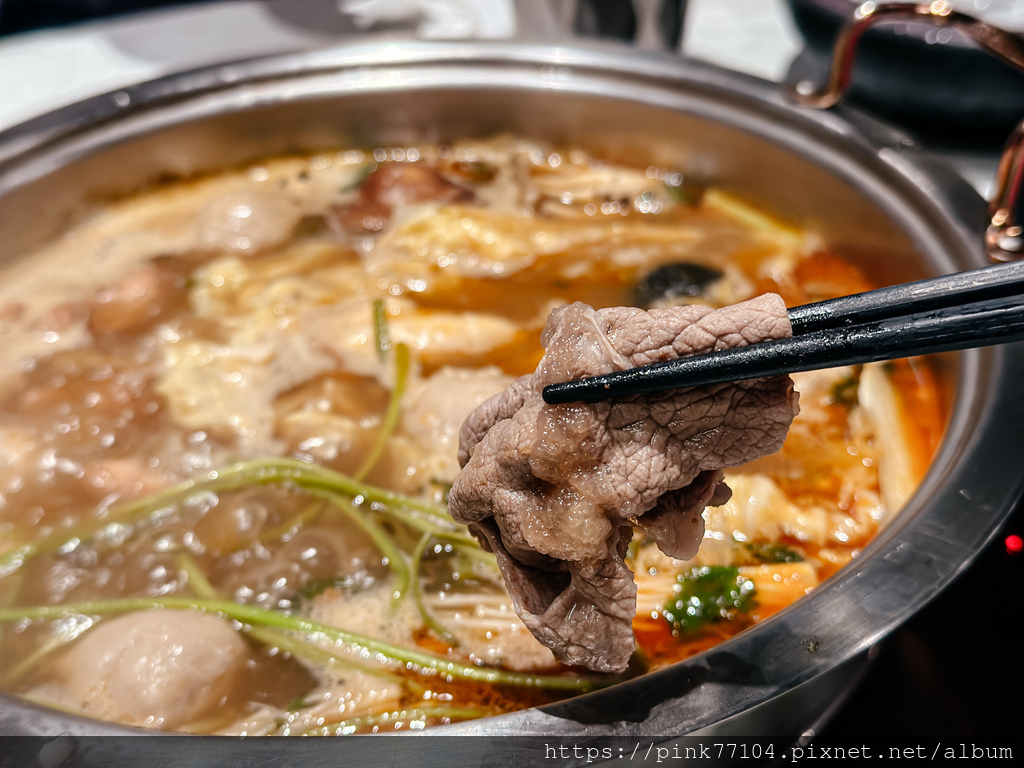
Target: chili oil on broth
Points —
{"points": [[244, 392]]}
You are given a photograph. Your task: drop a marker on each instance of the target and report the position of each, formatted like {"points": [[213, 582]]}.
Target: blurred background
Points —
{"points": [[951, 674]]}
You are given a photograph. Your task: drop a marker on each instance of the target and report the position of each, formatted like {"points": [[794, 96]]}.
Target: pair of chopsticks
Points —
{"points": [[959, 311]]}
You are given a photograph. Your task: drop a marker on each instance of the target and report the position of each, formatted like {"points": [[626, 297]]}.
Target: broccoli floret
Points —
{"points": [[705, 594]]}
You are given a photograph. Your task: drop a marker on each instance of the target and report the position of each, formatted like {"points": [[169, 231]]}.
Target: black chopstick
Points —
{"points": [[907, 298], [968, 309]]}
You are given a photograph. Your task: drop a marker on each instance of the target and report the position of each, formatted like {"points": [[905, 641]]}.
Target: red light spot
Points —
{"points": [[1014, 544]]}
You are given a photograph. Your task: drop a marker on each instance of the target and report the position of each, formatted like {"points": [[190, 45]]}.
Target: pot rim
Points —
{"points": [[924, 548]]}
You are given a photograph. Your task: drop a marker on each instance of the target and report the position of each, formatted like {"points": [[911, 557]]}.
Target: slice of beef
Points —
{"points": [[555, 490]]}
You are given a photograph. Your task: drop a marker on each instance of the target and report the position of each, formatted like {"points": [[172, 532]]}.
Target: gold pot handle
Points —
{"points": [[1004, 237]]}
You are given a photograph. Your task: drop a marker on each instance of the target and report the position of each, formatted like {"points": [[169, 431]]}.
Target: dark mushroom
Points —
{"points": [[674, 281]]}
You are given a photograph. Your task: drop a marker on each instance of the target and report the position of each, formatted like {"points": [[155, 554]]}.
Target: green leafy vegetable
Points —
{"points": [[705, 594], [844, 391], [773, 553]]}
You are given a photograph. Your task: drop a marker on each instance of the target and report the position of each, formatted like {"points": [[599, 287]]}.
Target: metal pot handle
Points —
{"points": [[1004, 237]]}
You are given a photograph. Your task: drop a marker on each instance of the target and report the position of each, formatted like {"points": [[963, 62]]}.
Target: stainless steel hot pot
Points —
{"points": [[871, 195]]}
